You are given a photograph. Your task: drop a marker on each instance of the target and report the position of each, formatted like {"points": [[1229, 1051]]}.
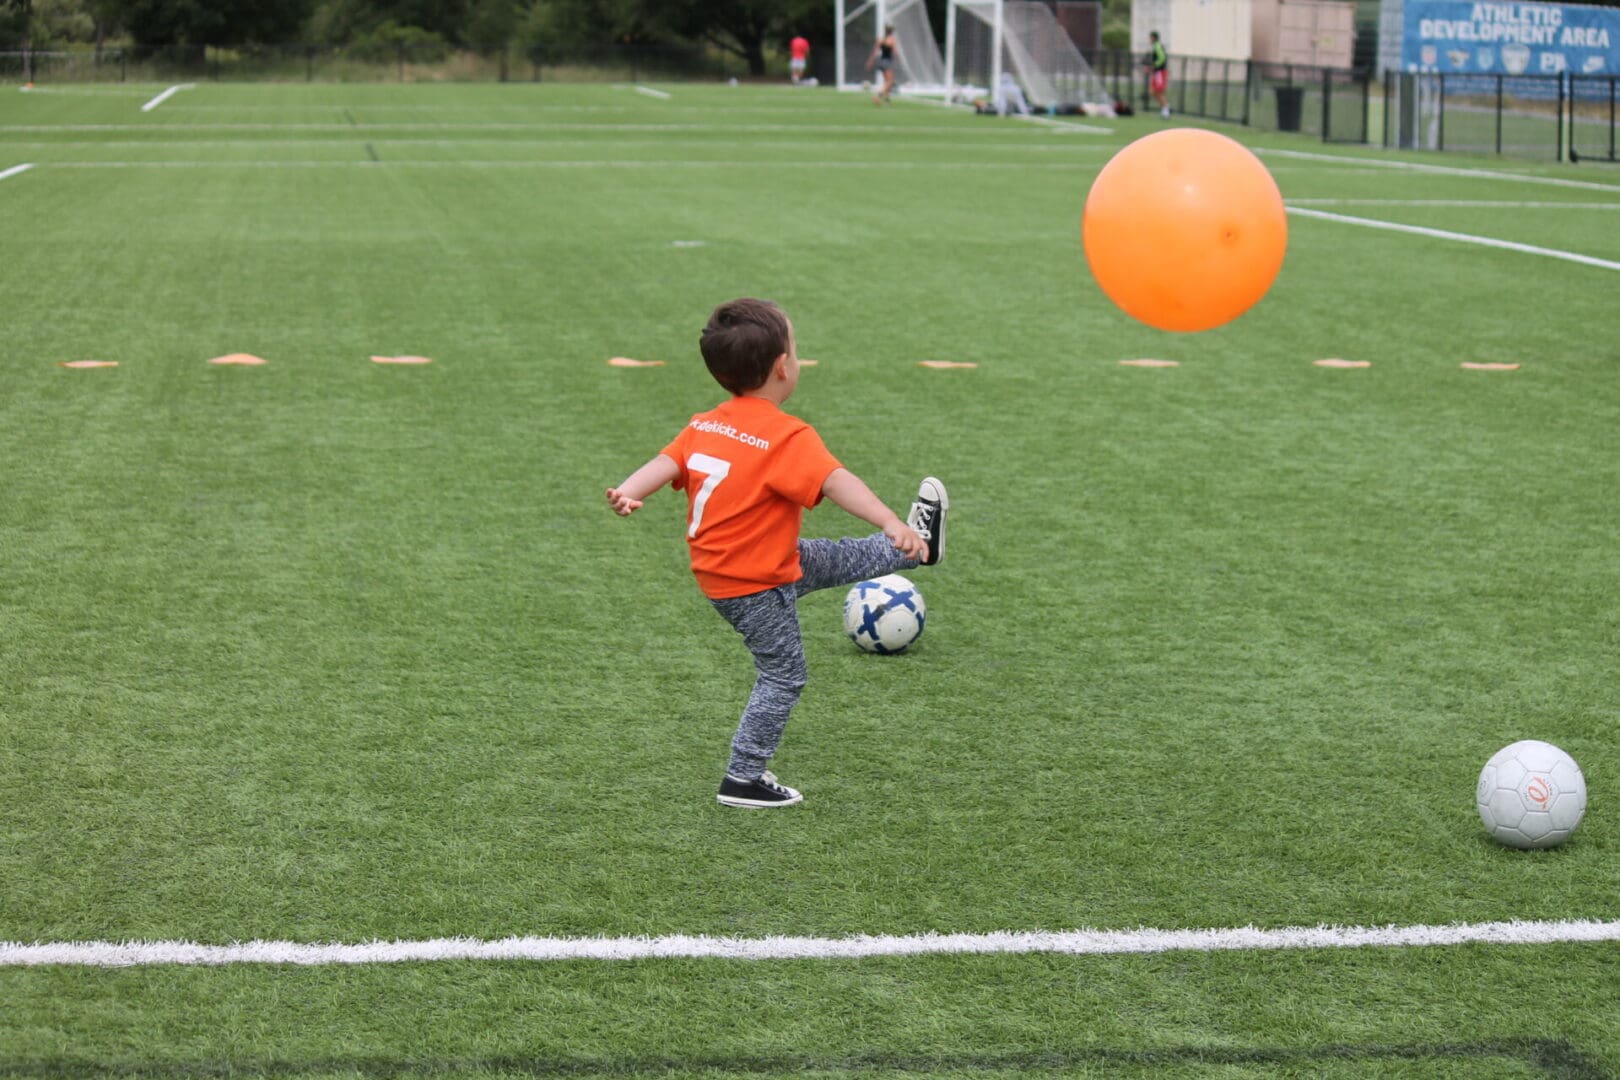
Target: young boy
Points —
{"points": [[750, 470]]}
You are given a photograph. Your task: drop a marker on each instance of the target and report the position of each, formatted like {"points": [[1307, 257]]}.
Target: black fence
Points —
{"points": [[1331, 103], [374, 62], [1592, 101], [1556, 117], [1553, 117]]}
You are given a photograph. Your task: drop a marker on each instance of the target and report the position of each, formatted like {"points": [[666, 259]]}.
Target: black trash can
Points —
{"points": [[1290, 104]]}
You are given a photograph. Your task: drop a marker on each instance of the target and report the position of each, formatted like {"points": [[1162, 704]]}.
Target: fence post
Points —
{"points": [[1560, 151], [1611, 117], [1440, 129], [1248, 88], [1366, 107], [1499, 104], [1327, 96]]}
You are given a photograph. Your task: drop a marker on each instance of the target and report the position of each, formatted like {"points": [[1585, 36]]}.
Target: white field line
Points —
{"points": [[81, 91], [1073, 942], [661, 95], [15, 169], [508, 164], [166, 95], [1443, 170], [505, 125], [1042, 147], [1465, 238], [1470, 204]]}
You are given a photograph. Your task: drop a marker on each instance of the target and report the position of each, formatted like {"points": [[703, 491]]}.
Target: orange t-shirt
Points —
{"points": [[750, 470], [799, 47]]}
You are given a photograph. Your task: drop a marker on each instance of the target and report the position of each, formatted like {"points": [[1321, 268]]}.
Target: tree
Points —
{"points": [[21, 18], [740, 27], [213, 22]]}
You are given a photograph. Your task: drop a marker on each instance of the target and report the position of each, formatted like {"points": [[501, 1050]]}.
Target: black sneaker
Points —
{"points": [[927, 517], [761, 794]]}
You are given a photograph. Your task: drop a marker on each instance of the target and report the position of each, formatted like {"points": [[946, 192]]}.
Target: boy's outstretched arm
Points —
{"points": [[626, 498], [850, 492]]}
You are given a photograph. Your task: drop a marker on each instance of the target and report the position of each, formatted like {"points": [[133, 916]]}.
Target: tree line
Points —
{"points": [[748, 29]]}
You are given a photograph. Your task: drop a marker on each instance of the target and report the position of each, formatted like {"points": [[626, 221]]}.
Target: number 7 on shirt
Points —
{"points": [[713, 470]]}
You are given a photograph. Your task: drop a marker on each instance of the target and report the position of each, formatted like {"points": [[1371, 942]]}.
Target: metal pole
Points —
{"points": [[1327, 96], [950, 46], [995, 49], [838, 44], [1440, 127], [1499, 114], [1560, 156]]}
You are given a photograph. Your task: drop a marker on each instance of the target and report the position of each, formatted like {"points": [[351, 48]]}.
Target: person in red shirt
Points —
{"points": [[750, 471], [798, 55]]}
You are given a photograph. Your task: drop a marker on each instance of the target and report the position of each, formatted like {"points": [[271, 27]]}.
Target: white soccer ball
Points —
{"points": [[1531, 795], [884, 615]]}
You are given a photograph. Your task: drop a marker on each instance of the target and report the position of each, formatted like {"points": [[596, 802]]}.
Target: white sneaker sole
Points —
{"points": [[755, 804]]}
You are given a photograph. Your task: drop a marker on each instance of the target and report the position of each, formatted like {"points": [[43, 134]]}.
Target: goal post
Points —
{"points": [[920, 69], [985, 38]]}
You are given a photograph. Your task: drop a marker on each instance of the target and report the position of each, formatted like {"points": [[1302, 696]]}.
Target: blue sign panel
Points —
{"points": [[1510, 38]]}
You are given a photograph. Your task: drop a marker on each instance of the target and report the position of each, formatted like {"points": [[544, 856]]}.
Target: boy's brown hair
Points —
{"points": [[742, 341]]}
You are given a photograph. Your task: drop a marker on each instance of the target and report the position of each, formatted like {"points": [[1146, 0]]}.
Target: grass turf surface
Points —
{"points": [[329, 651]]}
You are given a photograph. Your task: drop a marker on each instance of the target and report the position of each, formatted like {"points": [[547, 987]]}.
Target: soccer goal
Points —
{"points": [[921, 68], [984, 38]]}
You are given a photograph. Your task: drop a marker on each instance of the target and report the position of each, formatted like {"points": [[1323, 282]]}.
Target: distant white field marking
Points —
{"points": [[847, 130], [1465, 238], [1072, 942], [166, 95], [661, 95], [1443, 170], [1468, 204], [85, 91], [15, 169], [651, 163]]}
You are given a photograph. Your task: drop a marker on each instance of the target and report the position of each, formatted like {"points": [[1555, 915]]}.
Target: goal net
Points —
{"points": [[1035, 48], [920, 68]]}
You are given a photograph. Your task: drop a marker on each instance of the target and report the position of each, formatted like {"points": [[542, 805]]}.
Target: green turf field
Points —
{"points": [[331, 651]]}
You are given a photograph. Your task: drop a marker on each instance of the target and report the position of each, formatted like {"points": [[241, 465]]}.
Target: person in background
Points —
{"points": [[1157, 63], [1009, 95], [799, 55], [885, 54]]}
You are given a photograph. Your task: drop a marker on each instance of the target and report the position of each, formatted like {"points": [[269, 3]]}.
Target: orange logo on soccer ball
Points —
{"points": [[1539, 790], [1184, 229]]}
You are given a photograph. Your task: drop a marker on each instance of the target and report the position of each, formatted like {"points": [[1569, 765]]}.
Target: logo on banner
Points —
{"points": [[1593, 63], [1485, 58], [1515, 58], [1552, 63], [1429, 54]]}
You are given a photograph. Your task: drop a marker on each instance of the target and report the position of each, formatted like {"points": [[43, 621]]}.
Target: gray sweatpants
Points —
{"points": [[769, 624]]}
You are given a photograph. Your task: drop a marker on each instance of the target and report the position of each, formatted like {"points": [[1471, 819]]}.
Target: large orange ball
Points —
{"points": [[1184, 229]]}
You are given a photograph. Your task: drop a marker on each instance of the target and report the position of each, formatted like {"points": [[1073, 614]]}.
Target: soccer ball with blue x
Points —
{"points": [[884, 615]]}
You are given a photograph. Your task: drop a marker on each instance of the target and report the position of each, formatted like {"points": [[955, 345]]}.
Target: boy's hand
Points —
{"points": [[906, 541], [622, 504]]}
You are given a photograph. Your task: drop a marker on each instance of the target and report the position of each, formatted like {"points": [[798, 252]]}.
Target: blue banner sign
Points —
{"points": [[1510, 38]]}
